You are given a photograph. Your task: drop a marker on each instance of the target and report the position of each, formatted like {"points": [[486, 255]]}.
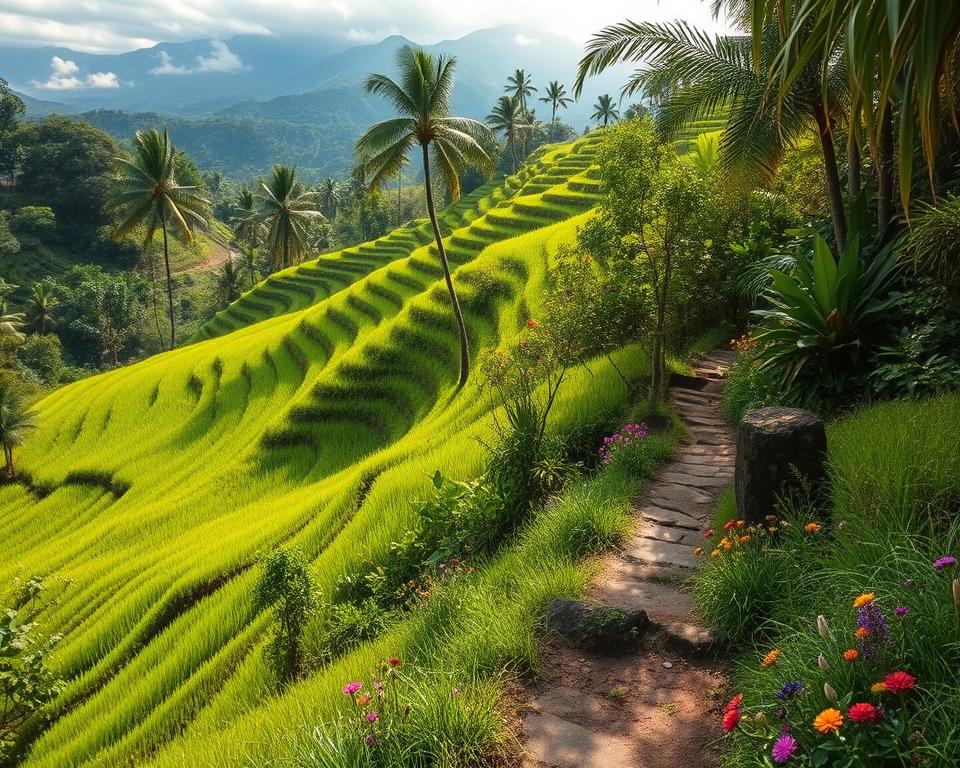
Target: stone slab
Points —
{"points": [[678, 495], [670, 517], [660, 552], [564, 701], [558, 742], [665, 533], [694, 481]]}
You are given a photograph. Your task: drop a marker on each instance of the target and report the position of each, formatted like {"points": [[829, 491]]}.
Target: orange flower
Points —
{"points": [[851, 654], [861, 633], [771, 658], [698, 551], [740, 523], [812, 527], [771, 518], [727, 544], [828, 721], [744, 539], [880, 687], [531, 323], [363, 699], [865, 599]]}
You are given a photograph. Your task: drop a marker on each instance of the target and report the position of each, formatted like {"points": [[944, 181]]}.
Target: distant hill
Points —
{"points": [[41, 107]]}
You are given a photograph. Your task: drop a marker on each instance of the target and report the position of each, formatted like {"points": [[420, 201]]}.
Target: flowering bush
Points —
{"points": [[874, 720], [628, 435]]}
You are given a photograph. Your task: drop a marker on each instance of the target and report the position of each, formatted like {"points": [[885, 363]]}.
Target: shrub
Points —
{"points": [[43, 356], [287, 586], [35, 220], [348, 625], [26, 682], [9, 245], [748, 385]]}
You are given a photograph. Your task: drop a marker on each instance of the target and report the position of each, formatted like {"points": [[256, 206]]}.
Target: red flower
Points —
{"points": [[729, 525], [394, 661], [730, 720], [708, 533], [900, 682], [735, 702], [531, 323], [864, 713]]}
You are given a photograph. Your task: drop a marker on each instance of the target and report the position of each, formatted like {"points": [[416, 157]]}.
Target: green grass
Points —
{"points": [[311, 414], [893, 511]]}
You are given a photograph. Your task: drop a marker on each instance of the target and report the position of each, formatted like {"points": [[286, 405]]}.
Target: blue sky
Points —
{"points": [[110, 26]]}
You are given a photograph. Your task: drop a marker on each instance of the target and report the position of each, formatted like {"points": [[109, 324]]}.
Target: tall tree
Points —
{"points": [[329, 197], [16, 422], [10, 325], [520, 85], [605, 110], [286, 207], [421, 98], [556, 97], [246, 227], [507, 117], [146, 192], [707, 73], [41, 307], [229, 285]]}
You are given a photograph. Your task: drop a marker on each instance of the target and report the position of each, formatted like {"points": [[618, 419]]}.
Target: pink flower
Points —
{"points": [[351, 688], [863, 713], [371, 740], [943, 562], [372, 717]]}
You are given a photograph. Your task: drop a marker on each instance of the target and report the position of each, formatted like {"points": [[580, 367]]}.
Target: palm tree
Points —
{"points": [[286, 208], [10, 325], [229, 285], [520, 85], [508, 118], [40, 310], [329, 197], [146, 192], [246, 227], [556, 97], [706, 73], [605, 110], [16, 422], [5, 290], [421, 98]]}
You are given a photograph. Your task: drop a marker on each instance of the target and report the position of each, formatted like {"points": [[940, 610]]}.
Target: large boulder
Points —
{"points": [[597, 627], [779, 451]]}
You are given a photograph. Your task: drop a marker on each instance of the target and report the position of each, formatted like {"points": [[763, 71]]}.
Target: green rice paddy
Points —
{"points": [[309, 413]]}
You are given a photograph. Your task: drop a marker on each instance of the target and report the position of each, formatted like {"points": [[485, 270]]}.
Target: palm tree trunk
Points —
{"points": [[853, 169], [166, 261], [253, 280], [513, 152], [399, 195], [9, 469], [553, 123], [153, 296], [832, 174], [461, 328]]}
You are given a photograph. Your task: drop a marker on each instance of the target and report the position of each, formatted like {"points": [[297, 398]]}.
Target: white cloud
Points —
{"points": [[64, 77], [221, 59], [524, 40]]}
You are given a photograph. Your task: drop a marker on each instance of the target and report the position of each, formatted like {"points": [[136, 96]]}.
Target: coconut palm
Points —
{"points": [[556, 97], [520, 85], [229, 282], [705, 73], [605, 110], [10, 325], [329, 195], [246, 227], [146, 192], [508, 118], [40, 309], [5, 290], [903, 53], [286, 208], [16, 422], [421, 98]]}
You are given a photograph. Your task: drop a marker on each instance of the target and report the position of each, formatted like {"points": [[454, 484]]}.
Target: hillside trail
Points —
{"points": [[657, 707]]}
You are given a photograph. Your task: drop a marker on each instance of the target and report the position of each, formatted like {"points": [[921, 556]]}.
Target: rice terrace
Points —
{"points": [[360, 408]]}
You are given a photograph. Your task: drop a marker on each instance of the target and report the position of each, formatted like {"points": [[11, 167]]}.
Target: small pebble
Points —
{"points": [[668, 665]]}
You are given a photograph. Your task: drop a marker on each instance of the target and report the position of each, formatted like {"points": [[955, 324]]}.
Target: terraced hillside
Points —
{"points": [[313, 411]]}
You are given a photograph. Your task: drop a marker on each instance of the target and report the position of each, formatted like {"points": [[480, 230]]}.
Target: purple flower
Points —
{"points": [[901, 611], [371, 740], [372, 717], [870, 618], [944, 561], [789, 690], [351, 688], [784, 748]]}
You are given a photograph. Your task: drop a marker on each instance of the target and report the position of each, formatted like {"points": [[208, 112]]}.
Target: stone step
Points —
{"points": [[645, 550], [695, 481], [670, 517], [630, 586], [679, 497], [561, 744], [701, 470]]}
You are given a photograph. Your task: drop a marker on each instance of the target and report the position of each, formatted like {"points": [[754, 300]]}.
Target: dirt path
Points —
{"points": [[653, 708]]}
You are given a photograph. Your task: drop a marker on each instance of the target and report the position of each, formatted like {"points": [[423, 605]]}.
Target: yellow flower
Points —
{"points": [[880, 687], [744, 539], [865, 599], [812, 527], [771, 658], [740, 523], [698, 551], [828, 721], [715, 553], [773, 529]]}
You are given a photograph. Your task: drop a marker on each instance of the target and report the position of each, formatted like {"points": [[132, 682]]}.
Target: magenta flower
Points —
{"points": [[372, 717], [901, 611], [944, 561], [371, 740], [784, 748], [351, 688]]}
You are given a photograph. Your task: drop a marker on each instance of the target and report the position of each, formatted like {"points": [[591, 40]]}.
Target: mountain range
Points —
{"points": [[257, 84]]}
